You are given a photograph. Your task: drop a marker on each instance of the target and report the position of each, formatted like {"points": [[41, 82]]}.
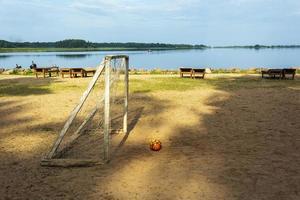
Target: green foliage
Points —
{"points": [[236, 71], [156, 71], [77, 43], [21, 72], [15, 72], [73, 44], [6, 44], [28, 72]]}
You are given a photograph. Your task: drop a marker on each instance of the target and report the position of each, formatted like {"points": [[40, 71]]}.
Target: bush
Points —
{"points": [[28, 72], [14, 72]]}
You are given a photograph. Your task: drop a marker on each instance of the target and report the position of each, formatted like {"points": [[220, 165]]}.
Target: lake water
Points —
{"points": [[213, 58]]}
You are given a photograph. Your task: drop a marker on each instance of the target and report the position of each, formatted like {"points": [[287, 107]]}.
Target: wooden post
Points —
{"points": [[107, 110], [126, 96]]}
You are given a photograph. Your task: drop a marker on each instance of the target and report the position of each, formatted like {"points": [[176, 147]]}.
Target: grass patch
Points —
{"points": [[27, 72], [141, 84], [155, 84], [164, 83]]}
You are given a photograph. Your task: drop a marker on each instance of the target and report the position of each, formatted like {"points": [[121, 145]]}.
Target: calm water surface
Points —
{"points": [[213, 58]]}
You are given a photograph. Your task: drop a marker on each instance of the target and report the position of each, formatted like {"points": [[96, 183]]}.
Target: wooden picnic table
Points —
{"points": [[46, 71], [192, 72], [278, 73], [76, 71]]}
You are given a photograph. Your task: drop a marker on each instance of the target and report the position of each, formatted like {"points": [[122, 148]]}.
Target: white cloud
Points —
{"points": [[140, 19], [137, 6]]}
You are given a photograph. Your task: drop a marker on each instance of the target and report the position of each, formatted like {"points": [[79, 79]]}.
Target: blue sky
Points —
{"points": [[211, 22]]}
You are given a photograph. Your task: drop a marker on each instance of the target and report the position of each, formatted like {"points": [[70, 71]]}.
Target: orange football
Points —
{"points": [[155, 145]]}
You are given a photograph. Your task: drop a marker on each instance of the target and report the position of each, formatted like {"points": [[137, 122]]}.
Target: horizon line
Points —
{"points": [[233, 45]]}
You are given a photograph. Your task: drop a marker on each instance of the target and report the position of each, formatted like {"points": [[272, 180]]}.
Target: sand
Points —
{"points": [[218, 143]]}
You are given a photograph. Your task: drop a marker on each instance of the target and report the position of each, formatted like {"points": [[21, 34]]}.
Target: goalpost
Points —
{"points": [[111, 66]]}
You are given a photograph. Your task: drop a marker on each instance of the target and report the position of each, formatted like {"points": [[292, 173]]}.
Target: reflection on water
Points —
{"points": [[73, 56], [4, 56], [170, 59]]}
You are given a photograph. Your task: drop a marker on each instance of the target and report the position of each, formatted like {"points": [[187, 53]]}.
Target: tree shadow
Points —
{"points": [[134, 117], [243, 144], [90, 144], [24, 86], [244, 148]]}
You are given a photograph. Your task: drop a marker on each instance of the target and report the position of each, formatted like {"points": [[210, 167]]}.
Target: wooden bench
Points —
{"points": [[43, 71], [77, 71], [186, 71], [200, 73], [192, 72], [65, 71], [89, 71], [46, 71], [289, 72], [272, 73], [53, 70], [279, 73]]}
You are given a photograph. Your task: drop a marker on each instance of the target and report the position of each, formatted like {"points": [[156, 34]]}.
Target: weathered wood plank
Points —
{"points": [[110, 57], [126, 96], [107, 111], [70, 162]]}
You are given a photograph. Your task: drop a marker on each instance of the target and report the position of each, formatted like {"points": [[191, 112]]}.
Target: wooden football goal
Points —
{"points": [[114, 72]]}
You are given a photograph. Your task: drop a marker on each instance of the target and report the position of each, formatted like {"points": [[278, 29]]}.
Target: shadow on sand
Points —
{"points": [[245, 147], [24, 86]]}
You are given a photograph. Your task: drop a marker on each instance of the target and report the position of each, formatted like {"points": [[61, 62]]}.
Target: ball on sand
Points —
{"points": [[155, 145]]}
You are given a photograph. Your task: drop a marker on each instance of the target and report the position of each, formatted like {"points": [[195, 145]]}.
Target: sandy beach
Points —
{"points": [[224, 137]]}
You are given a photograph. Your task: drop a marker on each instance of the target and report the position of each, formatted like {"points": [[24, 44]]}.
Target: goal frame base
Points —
{"points": [[65, 163]]}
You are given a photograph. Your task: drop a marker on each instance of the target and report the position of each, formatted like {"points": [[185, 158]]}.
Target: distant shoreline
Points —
{"points": [[76, 45], [24, 50], [16, 50]]}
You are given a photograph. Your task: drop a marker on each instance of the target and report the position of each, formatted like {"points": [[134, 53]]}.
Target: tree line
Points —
{"points": [[258, 46], [76, 43]]}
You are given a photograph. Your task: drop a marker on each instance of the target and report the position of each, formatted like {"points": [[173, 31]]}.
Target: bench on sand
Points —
{"points": [[75, 72], [53, 70], [289, 72], [278, 73], [186, 71], [89, 71], [46, 71], [65, 71], [200, 73], [192, 72], [72, 72]]}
